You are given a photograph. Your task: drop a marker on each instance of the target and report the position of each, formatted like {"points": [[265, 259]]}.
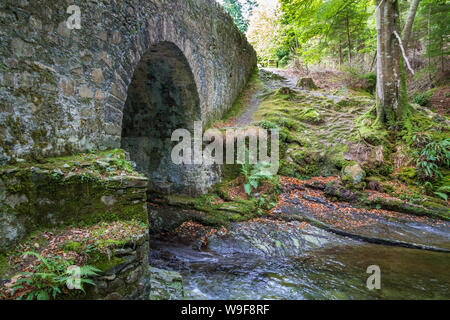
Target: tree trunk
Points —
{"points": [[409, 22], [392, 103], [373, 62], [348, 42], [429, 43]]}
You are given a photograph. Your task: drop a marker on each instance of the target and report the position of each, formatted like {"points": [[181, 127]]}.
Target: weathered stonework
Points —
{"points": [[63, 91], [66, 191], [128, 280]]}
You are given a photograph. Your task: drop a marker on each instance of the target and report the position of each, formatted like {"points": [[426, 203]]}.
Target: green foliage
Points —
{"points": [[49, 277], [431, 27], [236, 9], [314, 29], [442, 195], [422, 99], [254, 174], [430, 156]]}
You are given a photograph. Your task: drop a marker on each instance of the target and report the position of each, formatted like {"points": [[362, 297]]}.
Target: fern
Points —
{"points": [[442, 195], [433, 156], [254, 174], [49, 277]]}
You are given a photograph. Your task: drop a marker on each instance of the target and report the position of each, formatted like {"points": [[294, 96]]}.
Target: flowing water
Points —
{"points": [[323, 266]]}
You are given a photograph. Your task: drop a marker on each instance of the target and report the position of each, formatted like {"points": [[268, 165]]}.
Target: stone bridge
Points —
{"points": [[133, 72]]}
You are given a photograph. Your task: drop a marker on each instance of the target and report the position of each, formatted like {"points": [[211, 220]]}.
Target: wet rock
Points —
{"points": [[270, 238], [339, 192], [165, 285], [11, 229], [114, 296]]}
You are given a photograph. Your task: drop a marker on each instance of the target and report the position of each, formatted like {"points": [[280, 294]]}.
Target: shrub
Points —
{"points": [[422, 98]]}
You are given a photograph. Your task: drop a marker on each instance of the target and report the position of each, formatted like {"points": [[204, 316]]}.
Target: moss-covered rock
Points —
{"points": [[165, 285], [306, 83], [406, 174], [353, 175], [83, 189]]}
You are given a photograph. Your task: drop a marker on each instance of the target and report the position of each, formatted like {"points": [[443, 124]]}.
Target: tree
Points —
{"points": [[240, 11], [392, 101], [264, 32], [328, 28], [409, 22]]}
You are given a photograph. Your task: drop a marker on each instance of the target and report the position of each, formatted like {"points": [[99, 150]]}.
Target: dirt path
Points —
{"points": [[246, 118], [274, 79], [271, 81]]}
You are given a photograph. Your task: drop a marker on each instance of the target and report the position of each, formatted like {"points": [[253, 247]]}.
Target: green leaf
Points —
{"points": [[442, 195], [254, 183], [247, 188], [42, 295]]}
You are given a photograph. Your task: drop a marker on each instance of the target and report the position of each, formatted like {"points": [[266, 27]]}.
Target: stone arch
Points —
{"points": [[63, 91], [161, 97]]}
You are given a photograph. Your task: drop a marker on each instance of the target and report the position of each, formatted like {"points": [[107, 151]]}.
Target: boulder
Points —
{"points": [[306, 83], [165, 285], [353, 175]]}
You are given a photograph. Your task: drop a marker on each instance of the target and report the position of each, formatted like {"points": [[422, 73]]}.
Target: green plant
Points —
{"points": [[433, 155], [49, 277], [441, 195], [422, 99], [254, 174], [86, 177], [442, 192]]}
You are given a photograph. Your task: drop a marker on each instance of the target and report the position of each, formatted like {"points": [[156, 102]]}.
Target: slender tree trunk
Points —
{"points": [[348, 41], [429, 42], [373, 62], [392, 103], [409, 22]]}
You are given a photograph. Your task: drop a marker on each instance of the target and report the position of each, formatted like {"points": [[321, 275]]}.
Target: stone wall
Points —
{"points": [[63, 91], [128, 280], [83, 189]]}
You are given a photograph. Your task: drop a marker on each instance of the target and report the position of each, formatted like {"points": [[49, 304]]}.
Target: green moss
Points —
{"points": [[407, 174], [215, 212], [14, 125], [437, 212], [74, 246], [4, 266], [102, 261], [72, 191], [309, 115], [111, 243]]}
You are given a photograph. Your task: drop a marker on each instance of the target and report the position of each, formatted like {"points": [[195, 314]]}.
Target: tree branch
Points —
{"points": [[403, 52]]}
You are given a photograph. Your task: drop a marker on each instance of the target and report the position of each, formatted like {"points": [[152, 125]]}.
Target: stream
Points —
{"points": [[260, 261]]}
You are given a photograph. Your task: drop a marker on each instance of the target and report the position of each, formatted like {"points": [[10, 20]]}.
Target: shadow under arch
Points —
{"points": [[162, 97]]}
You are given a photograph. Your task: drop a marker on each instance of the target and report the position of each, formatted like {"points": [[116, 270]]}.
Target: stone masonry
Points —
{"points": [[64, 91]]}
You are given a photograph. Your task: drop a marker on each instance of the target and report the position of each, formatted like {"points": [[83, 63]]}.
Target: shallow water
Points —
{"points": [[331, 272]]}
